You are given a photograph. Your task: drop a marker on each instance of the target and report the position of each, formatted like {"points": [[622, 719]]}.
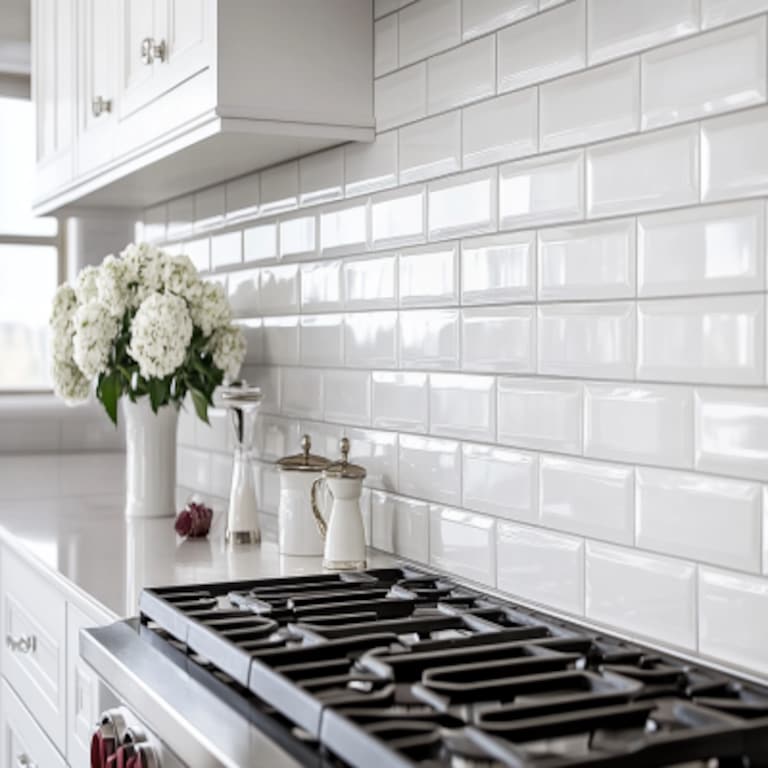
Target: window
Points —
{"points": [[29, 257]]}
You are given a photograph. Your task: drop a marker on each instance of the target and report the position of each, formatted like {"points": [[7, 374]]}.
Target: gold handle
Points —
{"points": [[322, 526]]}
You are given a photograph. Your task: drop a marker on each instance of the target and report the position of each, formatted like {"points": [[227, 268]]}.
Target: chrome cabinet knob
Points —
{"points": [[23, 761], [24, 644], [151, 50], [100, 105]]}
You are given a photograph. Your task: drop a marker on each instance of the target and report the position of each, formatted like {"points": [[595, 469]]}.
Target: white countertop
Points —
{"points": [[77, 530]]}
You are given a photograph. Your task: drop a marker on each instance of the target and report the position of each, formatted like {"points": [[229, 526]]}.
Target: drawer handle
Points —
{"points": [[26, 644], [100, 105], [150, 50], [23, 761]]}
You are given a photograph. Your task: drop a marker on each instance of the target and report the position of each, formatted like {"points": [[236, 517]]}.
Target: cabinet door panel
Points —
{"points": [[138, 23]]}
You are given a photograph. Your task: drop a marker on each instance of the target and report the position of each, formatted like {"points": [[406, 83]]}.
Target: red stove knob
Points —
{"points": [[103, 747]]}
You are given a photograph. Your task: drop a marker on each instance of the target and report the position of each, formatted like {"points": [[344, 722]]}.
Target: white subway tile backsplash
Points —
{"points": [[279, 289], [498, 268], [279, 188], [618, 27], [645, 594], [713, 249], [429, 338], [322, 339], [543, 190], [463, 205], [200, 253], [589, 261], [298, 236], [401, 96], [210, 206], [401, 401], [370, 339], [255, 341], [587, 498], [320, 286], [462, 406], [647, 424], [672, 505], [278, 437], [383, 521], [462, 543], [377, 452], [589, 340], [428, 27], [543, 47], [481, 16], [343, 229], [461, 75], [591, 105], [540, 414], [370, 282], [226, 249], [712, 73], [498, 339], [348, 397], [541, 566], [398, 217], [734, 155], [244, 292], [715, 12], [430, 468], [369, 167], [181, 216], [430, 147], [281, 341], [715, 340], [500, 129], [410, 534], [301, 393], [260, 243], [731, 432], [428, 276], [659, 170], [385, 44], [321, 177], [242, 196], [500, 482]]}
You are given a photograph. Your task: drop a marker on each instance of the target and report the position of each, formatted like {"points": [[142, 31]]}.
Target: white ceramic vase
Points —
{"points": [[150, 454]]}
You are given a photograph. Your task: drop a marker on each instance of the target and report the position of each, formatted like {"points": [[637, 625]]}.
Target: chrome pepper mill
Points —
{"points": [[243, 515]]}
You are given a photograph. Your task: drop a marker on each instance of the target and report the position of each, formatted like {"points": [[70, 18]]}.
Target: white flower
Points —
{"points": [[160, 334], [69, 383], [95, 330], [62, 313], [85, 288], [228, 349], [113, 284], [211, 310], [180, 277], [144, 265]]}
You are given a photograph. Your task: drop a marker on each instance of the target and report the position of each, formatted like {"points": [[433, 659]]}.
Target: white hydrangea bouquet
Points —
{"points": [[143, 324]]}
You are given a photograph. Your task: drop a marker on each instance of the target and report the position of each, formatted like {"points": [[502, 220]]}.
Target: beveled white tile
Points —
{"points": [[712, 73], [298, 236], [242, 196], [731, 432], [462, 406], [733, 620], [715, 12], [321, 177], [385, 45], [588, 498], [377, 452], [536, 413], [590, 340], [589, 106], [713, 249], [320, 286], [398, 217], [279, 188], [269, 482], [210, 206], [463, 204], [461, 75], [301, 393], [401, 96], [687, 515], [370, 339], [255, 341], [348, 397], [499, 339], [544, 190], [226, 249], [498, 268], [715, 340], [639, 423], [279, 289], [431, 147], [260, 243], [500, 129], [343, 228], [181, 215], [411, 529], [429, 338], [541, 566], [428, 276], [281, 341], [463, 543], [370, 283], [430, 468], [589, 261], [244, 293], [659, 170], [618, 27], [649, 595], [427, 27], [481, 16], [543, 47], [200, 253], [500, 482], [400, 401], [734, 155], [322, 339], [370, 166], [268, 379], [325, 437], [278, 436], [383, 521]]}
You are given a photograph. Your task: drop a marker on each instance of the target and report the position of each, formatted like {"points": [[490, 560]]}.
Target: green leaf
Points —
{"points": [[201, 404], [108, 391], [158, 393]]}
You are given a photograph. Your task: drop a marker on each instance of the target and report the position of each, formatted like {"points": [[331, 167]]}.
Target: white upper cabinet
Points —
{"points": [[174, 95]]}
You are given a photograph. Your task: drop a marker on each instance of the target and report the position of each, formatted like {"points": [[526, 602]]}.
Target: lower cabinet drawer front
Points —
{"points": [[33, 636], [22, 742]]}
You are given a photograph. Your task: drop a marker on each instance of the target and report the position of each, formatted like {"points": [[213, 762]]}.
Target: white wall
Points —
{"points": [[536, 305]]}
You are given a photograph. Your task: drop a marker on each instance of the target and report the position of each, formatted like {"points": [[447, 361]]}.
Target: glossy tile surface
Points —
{"points": [[430, 147], [498, 268], [370, 339], [429, 339], [463, 543], [481, 16], [401, 96], [260, 243], [715, 12], [462, 205], [401, 401], [398, 217], [461, 75], [370, 166], [370, 282], [347, 397], [320, 286], [429, 276], [428, 27], [226, 250], [279, 289], [322, 339], [343, 229], [279, 188], [462, 406], [429, 468], [321, 177], [298, 236], [498, 339]]}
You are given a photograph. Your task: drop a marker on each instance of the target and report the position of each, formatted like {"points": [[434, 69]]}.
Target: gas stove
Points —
{"points": [[398, 667]]}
